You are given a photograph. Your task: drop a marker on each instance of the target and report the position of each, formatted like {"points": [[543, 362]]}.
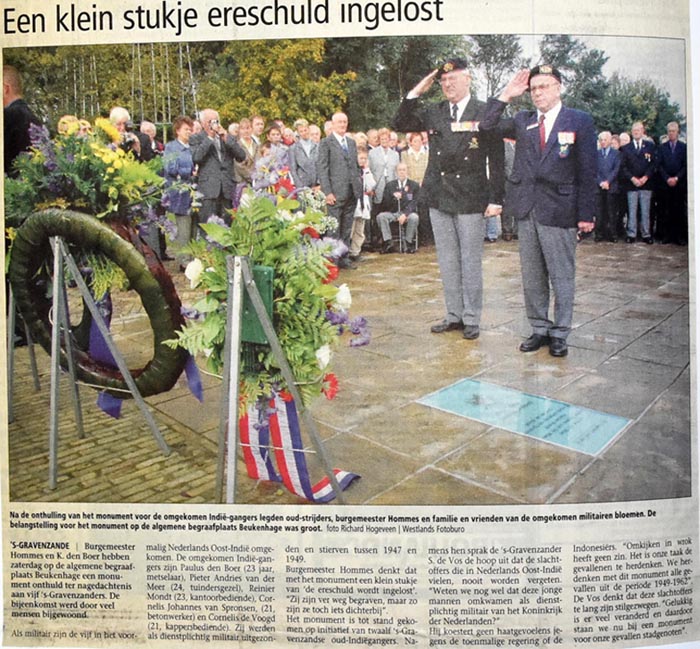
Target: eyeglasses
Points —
{"points": [[542, 86], [445, 79]]}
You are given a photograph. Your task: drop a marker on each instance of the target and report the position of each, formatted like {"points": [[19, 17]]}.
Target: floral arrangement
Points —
{"points": [[84, 170], [309, 311]]}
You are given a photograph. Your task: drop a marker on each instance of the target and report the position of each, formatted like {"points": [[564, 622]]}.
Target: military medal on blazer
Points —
{"points": [[455, 178]]}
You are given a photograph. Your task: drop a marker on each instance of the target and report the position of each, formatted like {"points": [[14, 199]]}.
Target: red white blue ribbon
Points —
{"points": [[273, 450]]}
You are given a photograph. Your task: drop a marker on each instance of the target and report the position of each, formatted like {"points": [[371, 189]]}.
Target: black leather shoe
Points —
{"points": [[471, 332], [445, 326], [533, 343], [387, 247], [558, 347], [630, 239], [648, 240]]}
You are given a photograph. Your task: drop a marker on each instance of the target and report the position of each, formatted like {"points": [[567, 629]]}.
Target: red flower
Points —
{"points": [[285, 184], [333, 273], [311, 232], [286, 396], [330, 386]]}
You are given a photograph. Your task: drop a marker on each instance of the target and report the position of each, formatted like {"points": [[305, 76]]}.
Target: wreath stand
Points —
{"points": [[61, 323], [11, 323], [240, 279]]}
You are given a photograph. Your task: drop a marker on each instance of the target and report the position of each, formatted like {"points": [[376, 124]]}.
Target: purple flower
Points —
{"points": [[358, 324], [217, 220], [170, 229], [337, 318], [190, 314], [362, 340], [39, 135], [360, 328]]}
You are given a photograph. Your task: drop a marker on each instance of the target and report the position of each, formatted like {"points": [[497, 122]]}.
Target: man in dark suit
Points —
{"points": [[673, 187], [339, 176], [399, 203], [552, 191], [214, 151], [302, 157], [460, 192], [17, 118], [606, 225], [636, 173]]}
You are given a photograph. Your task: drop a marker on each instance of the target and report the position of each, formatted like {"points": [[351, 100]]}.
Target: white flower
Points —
{"points": [[246, 198], [343, 299], [194, 271], [323, 356], [284, 215]]}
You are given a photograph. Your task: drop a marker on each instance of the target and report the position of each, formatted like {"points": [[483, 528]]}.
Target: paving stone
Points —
{"points": [[629, 355]]}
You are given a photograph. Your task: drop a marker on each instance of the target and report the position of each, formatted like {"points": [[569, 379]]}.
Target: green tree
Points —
{"points": [[280, 78], [498, 57], [582, 70], [386, 69], [628, 101]]}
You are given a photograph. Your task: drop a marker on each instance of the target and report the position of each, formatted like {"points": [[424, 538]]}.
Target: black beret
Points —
{"points": [[452, 64], [545, 69]]}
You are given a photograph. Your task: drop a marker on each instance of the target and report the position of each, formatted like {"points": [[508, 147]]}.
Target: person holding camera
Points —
{"points": [[136, 143], [214, 151]]}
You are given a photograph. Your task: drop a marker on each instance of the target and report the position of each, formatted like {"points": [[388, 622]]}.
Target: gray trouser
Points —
{"points": [[385, 219], [548, 255], [459, 240]]}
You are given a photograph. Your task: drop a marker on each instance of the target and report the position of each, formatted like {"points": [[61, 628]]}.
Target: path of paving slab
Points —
{"points": [[629, 356]]}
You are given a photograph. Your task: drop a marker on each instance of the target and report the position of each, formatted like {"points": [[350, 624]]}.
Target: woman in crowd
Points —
{"points": [[178, 168]]}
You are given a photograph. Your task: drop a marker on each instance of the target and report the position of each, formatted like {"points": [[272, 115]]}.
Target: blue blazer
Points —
{"points": [[178, 168], [673, 164], [560, 181], [636, 164], [609, 168]]}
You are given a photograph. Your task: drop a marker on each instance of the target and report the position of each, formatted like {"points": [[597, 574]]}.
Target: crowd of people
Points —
{"points": [[447, 171]]}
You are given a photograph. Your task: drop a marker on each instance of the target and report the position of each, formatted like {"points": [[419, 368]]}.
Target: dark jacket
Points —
{"points": [[560, 181], [215, 177], [465, 165], [17, 117], [609, 169], [339, 172], [409, 197], [673, 164], [637, 163]]}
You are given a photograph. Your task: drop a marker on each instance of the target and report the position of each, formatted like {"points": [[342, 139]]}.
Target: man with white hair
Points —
{"points": [[135, 143], [552, 193], [339, 177], [464, 183], [149, 130], [214, 151], [606, 225]]}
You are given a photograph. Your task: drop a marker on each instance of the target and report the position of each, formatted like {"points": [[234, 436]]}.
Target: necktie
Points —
{"points": [[454, 112], [673, 147], [543, 138], [344, 145], [217, 146]]}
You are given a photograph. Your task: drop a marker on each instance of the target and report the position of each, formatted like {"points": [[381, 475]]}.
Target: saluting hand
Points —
{"points": [[516, 86], [424, 84]]}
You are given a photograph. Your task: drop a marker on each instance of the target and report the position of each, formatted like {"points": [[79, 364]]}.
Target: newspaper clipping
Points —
{"points": [[411, 477]]}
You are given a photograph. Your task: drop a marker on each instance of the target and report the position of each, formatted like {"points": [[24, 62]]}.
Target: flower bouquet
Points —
{"points": [[81, 186], [309, 312]]}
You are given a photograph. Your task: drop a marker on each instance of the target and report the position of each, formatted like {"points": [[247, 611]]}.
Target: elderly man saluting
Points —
{"points": [[460, 191], [552, 191]]}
